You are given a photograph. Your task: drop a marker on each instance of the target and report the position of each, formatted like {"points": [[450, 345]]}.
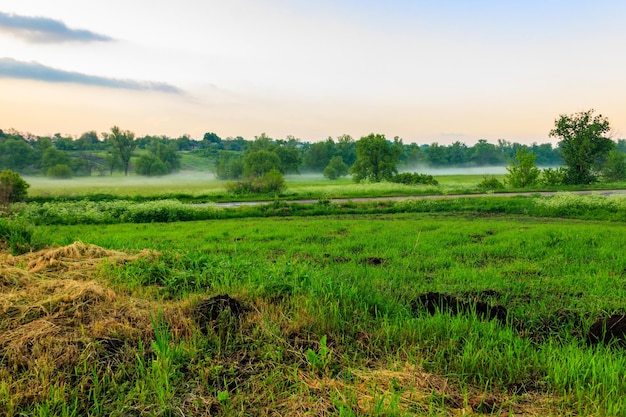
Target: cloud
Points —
{"points": [[45, 30], [11, 68]]}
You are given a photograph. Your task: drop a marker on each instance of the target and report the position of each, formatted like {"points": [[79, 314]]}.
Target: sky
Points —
{"points": [[424, 70]]}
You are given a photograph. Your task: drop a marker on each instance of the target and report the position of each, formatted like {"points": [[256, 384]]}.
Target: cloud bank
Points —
{"points": [[11, 68], [45, 30]]}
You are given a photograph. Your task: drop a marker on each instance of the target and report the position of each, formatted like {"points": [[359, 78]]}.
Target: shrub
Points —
{"points": [[12, 187], [523, 172], [60, 171], [336, 168], [17, 235], [490, 184], [414, 178], [271, 183], [614, 168], [553, 176]]}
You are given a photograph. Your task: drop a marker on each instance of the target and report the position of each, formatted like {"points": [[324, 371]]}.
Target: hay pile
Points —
{"points": [[54, 313]]}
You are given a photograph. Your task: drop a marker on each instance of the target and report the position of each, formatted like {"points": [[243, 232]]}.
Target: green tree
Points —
{"points": [[376, 158], [523, 172], [614, 169], [257, 163], [122, 144], [12, 187], [582, 144], [289, 154], [317, 157], [229, 165], [53, 156], [150, 165], [336, 168], [16, 154]]}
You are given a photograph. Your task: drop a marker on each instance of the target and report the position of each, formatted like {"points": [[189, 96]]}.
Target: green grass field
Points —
{"points": [[325, 315]]}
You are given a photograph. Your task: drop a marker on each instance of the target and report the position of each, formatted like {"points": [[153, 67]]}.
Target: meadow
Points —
{"points": [[202, 186], [437, 307]]}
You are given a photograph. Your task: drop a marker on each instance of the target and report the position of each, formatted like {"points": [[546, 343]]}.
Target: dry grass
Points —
{"points": [[54, 313]]}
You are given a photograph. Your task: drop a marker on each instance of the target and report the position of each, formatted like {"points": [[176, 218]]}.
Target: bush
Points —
{"points": [[553, 176], [414, 178], [60, 171], [523, 172], [490, 184], [12, 187], [271, 183], [17, 235], [151, 165], [336, 168]]}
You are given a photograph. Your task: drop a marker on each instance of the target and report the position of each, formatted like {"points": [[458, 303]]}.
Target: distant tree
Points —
{"points": [[12, 187], [437, 155], [16, 154], [412, 155], [235, 144], [582, 144], [336, 168], [229, 165], [150, 165], [523, 172], [484, 153], [317, 157], [289, 155], [183, 143], [211, 140], [346, 148], [112, 161], [52, 157], [614, 168], [260, 162], [457, 153], [122, 144], [262, 143], [376, 158], [167, 152], [89, 141], [63, 143]]}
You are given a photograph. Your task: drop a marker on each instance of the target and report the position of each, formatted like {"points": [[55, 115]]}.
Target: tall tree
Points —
{"points": [[583, 144], [376, 158], [122, 144]]}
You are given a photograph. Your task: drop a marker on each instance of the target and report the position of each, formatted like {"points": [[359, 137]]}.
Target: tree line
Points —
{"points": [[583, 149]]}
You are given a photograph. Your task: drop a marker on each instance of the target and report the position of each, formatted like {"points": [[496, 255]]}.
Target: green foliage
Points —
{"points": [[119, 211], [60, 171], [614, 169], [376, 158], [13, 188], [553, 176], [121, 144], [17, 234], [414, 178], [582, 144], [52, 157], [320, 361], [336, 168], [523, 172], [229, 165], [151, 165], [271, 182], [258, 163], [490, 184]]}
